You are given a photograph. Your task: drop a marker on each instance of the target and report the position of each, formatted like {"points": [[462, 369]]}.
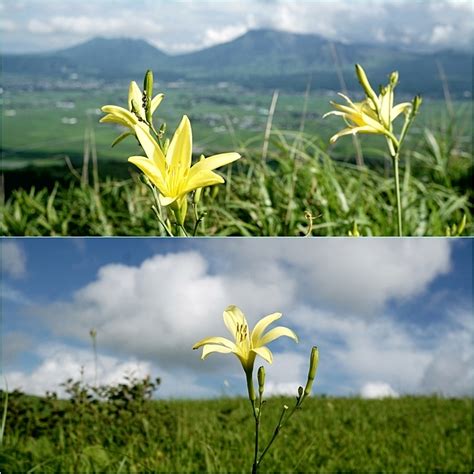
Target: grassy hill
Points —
{"points": [[410, 434]]}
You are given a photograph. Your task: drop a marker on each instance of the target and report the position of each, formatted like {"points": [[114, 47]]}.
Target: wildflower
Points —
{"points": [[247, 345], [172, 173], [375, 114], [137, 109]]}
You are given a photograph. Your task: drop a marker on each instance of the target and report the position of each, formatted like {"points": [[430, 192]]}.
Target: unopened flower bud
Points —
{"points": [[313, 366], [417, 101], [394, 79], [364, 82], [261, 380], [148, 84], [166, 146], [148, 94]]}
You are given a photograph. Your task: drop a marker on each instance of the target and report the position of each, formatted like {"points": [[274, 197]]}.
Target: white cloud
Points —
{"points": [[59, 362], [377, 390], [13, 259], [180, 26], [7, 25], [357, 276], [214, 36], [451, 369]]}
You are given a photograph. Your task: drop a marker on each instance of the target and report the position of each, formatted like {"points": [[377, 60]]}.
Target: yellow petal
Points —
{"points": [[398, 109], [265, 353], [135, 94], [201, 180], [150, 170], [114, 119], [156, 102], [121, 113], [213, 162], [385, 107], [151, 148], [262, 325], [353, 131], [167, 200], [210, 348], [215, 340], [179, 152], [275, 334], [233, 316]]}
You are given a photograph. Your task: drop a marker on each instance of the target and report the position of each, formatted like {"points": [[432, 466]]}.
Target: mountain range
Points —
{"points": [[258, 59]]}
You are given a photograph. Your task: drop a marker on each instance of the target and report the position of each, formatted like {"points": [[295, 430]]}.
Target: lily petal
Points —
{"points": [[213, 162], [265, 353], [179, 152], [215, 340], [210, 348], [150, 170], [109, 118], [399, 108], [233, 316], [120, 112], [275, 334], [135, 94], [200, 180], [151, 148], [352, 131], [167, 200], [156, 102], [262, 325]]}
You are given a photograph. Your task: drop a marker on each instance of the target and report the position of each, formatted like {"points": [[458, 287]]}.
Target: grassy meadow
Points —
{"points": [[299, 186], [133, 434]]}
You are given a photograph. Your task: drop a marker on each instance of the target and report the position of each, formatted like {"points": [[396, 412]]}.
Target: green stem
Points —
{"points": [[256, 415], [395, 160], [276, 432]]}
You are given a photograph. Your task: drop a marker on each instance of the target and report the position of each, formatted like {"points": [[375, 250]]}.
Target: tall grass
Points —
{"points": [[293, 188], [273, 197]]}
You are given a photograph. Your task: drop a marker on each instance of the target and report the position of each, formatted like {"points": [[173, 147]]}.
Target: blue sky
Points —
{"points": [[181, 26], [390, 316]]}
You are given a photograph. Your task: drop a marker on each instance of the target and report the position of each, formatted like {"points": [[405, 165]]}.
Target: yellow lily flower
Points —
{"points": [[247, 345], [173, 174], [373, 115], [136, 111]]}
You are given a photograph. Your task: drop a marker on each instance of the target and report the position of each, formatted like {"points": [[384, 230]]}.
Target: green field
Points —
{"points": [[304, 186], [409, 434]]}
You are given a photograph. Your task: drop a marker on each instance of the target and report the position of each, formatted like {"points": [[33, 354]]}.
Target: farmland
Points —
{"points": [[42, 128]]}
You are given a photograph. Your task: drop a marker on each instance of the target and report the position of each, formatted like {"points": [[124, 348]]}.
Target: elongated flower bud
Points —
{"points": [[148, 84], [261, 380], [394, 79], [148, 92], [313, 366], [364, 82], [417, 101]]}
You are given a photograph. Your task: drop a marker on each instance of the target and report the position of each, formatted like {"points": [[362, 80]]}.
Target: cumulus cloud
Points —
{"points": [[451, 368], [172, 25], [377, 390], [13, 259], [355, 276]]}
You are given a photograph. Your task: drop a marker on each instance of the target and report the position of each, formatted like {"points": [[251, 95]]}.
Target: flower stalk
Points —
{"points": [[375, 115], [167, 164], [246, 347]]}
